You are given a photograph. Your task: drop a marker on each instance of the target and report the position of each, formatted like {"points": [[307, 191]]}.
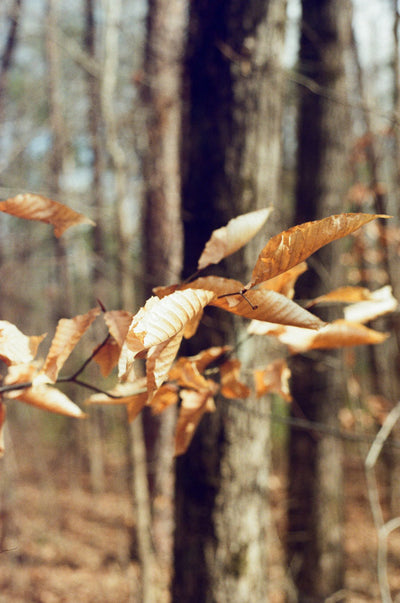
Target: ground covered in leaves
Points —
{"points": [[62, 543]]}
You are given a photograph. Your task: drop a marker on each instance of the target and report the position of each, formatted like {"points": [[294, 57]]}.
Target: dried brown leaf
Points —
{"points": [[160, 320], [380, 302], [118, 322], [345, 295], [159, 362], [295, 245], [258, 304], [107, 356], [42, 209], [338, 334], [284, 283], [228, 239], [166, 396], [68, 332], [49, 398]]}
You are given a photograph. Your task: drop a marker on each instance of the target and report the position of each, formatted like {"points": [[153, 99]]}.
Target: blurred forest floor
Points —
{"points": [[63, 544]]}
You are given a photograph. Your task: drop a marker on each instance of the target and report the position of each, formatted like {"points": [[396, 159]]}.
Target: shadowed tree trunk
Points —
{"points": [[315, 516], [231, 161]]}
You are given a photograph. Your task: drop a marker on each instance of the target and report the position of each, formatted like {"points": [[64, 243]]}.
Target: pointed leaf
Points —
{"points": [[381, 302], [274, 378], [259, 304], [338, 334], [228, 239], [49, 398], [342, 295], [39, 208], [295, 245], [194, 405], [15, 347], [126, 392], [69, 331]]}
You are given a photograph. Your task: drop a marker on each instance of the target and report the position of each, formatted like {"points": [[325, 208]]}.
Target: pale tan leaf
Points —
{"points": [[284, 283], [381, 302], [273, 379], [295, 245], [346, 295], [107, 356], [3, 413], [50, 399], [69, 331], [159, 362], [194, 405], [166, 396], [118, 322], [228, 239], [42, 209], [338, 334], [258, 304], [160, 320], [15, 347], [231, 386]]}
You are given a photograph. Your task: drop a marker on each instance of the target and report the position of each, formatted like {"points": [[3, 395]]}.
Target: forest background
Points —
{"points": [[161, 121]]}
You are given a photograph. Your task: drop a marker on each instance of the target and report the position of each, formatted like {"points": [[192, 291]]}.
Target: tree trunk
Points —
{"points": [[315, 515], [231, 160]]}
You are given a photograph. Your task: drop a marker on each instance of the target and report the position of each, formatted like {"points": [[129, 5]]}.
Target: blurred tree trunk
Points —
{"points": [[161, 100], [62, 302], [8, 52], [231, 161], [315, 514]]}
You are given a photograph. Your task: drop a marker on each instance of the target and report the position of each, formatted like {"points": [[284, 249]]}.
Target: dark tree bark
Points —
{"points": [[315, 515], [231, 160]]}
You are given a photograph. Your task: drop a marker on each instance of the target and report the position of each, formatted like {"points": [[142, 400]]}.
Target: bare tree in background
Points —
{"points": [[231, 162], [315, 514]]}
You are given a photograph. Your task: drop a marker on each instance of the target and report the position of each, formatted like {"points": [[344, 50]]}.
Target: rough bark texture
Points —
{"points": [[315, 544], [231, 158]]}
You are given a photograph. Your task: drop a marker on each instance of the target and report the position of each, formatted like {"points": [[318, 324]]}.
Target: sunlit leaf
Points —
{"points": [[381, 302], [338, 334], [200, 361], [284, 283], [15, 347], [42, 209], [160, 320], [194, 405], [228, 239], [273, 379], [231, 386], [48, 398], [69, 331], [259, 304], [187, 375], [295, 245]]}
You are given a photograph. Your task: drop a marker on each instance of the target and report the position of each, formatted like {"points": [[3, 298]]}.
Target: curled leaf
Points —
{"points": [[345, 295], [42, 209], [284, 283], [118, 322], [194, 405], [295, 245], [231, 386], [228, 239]]}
